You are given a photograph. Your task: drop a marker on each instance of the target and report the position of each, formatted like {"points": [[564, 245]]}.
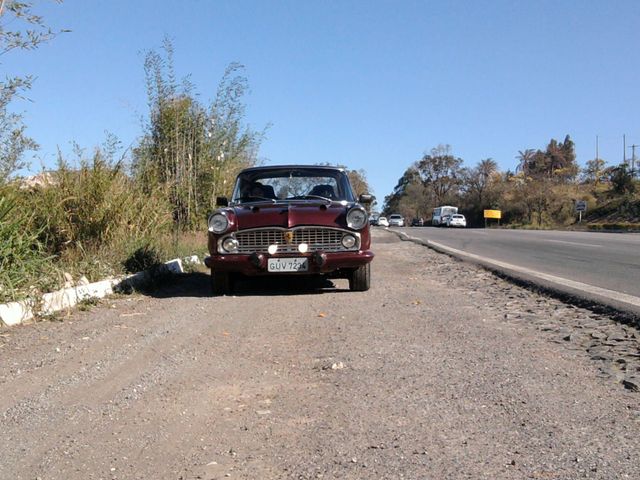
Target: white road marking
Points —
{"points": [[576, 243], [579, 286]]}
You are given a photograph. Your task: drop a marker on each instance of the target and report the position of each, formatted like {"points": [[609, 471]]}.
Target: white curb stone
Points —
{"points": [[14, 313], [69, 297], [192, 260]]}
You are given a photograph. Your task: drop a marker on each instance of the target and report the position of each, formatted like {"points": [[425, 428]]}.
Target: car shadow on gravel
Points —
{"points": [[198, 284]]}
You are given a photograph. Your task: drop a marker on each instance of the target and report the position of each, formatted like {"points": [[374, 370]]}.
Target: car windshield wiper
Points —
{"points": [[254, 199], [311, 197]]}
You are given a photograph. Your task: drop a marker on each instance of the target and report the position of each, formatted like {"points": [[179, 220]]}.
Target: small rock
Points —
{"points": [[337, 366], [617, 337], [632, 384]]}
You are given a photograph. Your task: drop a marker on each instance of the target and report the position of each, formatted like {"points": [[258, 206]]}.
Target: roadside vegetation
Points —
{"points": [[106, 211], [541, 193]]}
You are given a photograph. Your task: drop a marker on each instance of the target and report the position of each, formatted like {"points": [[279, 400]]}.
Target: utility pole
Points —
{"points": [[624, 149], [633, 160]]}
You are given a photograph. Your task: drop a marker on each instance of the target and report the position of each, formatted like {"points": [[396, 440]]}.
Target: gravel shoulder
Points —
{"points": [[441, 370]]}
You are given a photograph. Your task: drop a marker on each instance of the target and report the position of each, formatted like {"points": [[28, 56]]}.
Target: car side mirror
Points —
{"points": [[222, 202], [365, 198]]}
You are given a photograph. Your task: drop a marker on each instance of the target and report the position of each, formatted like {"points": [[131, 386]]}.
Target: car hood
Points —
{"points": [[289, 215]]}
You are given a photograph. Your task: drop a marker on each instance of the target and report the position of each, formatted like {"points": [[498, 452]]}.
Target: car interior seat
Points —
{"points": [[269, 192], [323, 191]]}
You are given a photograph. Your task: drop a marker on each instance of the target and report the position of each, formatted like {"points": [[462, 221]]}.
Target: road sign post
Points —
{"points": [[581, 206], [497, 214]]}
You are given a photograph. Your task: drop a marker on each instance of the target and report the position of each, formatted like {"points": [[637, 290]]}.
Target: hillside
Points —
{"points": [[617, 214]]}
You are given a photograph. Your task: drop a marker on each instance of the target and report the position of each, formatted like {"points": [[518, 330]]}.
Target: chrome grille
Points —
{"points": [[317, 238]]}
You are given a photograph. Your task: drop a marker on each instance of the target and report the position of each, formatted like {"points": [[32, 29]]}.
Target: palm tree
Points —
{"points": [[525, 158]]}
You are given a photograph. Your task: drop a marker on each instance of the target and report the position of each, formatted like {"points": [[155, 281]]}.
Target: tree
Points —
{"points": [[440, 172], [622, 181], [478, 179], [193, 151], [20, 29], [594, 171], [525, 159], [557, 162], [392, 201]]}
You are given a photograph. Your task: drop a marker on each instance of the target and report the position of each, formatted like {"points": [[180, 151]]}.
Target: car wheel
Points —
{"points": [[360, 279], [221, 283]]}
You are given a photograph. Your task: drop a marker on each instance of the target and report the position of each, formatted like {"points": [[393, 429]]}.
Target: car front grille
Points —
{"points": [[317, 239]]}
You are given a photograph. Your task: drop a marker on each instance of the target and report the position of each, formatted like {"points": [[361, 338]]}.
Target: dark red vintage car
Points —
{"points": [[290, 220]]}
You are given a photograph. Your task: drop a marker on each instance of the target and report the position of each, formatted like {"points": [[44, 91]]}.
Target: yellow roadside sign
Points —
{"points": [[493, 214]]}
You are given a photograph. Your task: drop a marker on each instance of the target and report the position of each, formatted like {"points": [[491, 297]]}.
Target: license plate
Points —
{"points": [[288, 264]]}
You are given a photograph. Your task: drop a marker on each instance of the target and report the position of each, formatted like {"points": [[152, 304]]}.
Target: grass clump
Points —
{"points": [[91, 219], [24, 263]]}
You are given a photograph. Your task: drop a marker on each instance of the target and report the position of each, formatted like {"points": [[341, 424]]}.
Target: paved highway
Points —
{"points": [[605, 260]]}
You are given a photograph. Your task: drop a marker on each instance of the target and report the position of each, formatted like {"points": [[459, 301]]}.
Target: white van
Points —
{"points": [[440, 212]]}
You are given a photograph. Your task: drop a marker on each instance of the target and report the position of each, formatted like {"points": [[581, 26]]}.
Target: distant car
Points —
{"points": [[456, 220], [396, 220], [417, 222], [373, 221], [383, 222]]}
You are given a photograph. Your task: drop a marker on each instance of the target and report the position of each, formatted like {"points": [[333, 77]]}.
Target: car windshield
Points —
{"points": [[292, 184], [458, 216], [395, 217]]}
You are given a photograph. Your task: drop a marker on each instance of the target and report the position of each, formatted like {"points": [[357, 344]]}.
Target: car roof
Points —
{"points": [[291, 167]]}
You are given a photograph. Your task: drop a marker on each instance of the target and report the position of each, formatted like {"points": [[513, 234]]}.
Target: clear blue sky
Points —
{"points": [[371, 84]]}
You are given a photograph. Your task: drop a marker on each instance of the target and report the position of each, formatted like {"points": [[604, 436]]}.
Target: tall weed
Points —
{"points": [[93, 216], [24, 264]]}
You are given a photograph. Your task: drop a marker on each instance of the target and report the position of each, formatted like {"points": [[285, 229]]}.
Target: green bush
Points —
{"points": [[95, 216], [92, 219], [24, 265]]}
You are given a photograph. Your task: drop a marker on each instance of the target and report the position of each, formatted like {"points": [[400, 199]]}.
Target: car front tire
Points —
{"points": [[360, 279]]}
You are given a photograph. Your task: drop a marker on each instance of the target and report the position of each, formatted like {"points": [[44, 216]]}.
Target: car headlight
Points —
{"points": [[349, 241], [356, 218], [230, 245], [218, 223]]}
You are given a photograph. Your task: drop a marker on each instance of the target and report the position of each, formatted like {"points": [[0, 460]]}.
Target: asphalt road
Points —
{"points": [[440, 371], [606, 260]]}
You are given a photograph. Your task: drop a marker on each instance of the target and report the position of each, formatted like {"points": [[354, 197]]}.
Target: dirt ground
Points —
{"points": [[440, 371]]}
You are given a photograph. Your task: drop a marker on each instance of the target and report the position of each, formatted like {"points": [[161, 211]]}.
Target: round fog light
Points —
{"points": [[272, 249], [230, 244], [303, 247], [348, 241]]}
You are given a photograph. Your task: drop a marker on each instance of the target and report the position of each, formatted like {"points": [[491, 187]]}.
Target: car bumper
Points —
{"points": [[319, 263]]}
